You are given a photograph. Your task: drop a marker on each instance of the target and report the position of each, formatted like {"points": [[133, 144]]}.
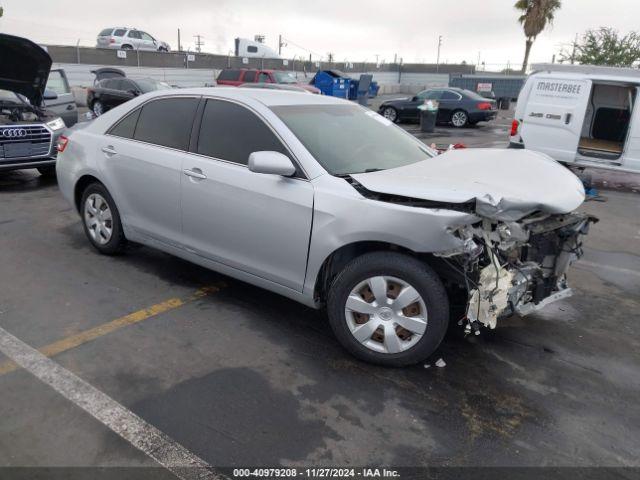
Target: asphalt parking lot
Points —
{"points": [[242, 377]]}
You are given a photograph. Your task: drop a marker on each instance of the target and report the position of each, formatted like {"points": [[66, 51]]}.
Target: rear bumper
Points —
{"points": [[483, 116]]}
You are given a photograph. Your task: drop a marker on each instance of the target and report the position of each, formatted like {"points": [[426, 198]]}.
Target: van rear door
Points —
{"points": [[553, 116]]}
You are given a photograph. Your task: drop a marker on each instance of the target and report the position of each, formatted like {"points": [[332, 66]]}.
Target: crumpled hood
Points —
{"points": [[24, 67], [504, 184]]}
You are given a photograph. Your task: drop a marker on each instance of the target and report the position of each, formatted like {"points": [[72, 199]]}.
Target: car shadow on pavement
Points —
{"points": [[22, 181]]}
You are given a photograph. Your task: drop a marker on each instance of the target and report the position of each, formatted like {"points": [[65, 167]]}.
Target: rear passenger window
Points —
{"points": [[447, 95], [250, 76], [126, 127], [167, 122], [119, 33], [231, 132]]}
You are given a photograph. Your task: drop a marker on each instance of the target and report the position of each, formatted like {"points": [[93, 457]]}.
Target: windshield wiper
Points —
{"points": [[371, 170]]}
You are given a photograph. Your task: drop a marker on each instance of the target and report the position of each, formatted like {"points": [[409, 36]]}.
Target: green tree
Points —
{"points": [[1, 11], [536, 15], [605, 46]]}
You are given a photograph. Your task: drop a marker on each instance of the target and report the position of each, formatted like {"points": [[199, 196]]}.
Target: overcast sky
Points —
{"points": [[355, 30]]}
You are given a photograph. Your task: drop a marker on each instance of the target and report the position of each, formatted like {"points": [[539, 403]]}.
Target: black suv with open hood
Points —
{"points": [[28, 131]]}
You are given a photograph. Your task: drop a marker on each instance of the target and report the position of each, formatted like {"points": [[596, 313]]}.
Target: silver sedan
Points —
{"points": [[330, 204]]}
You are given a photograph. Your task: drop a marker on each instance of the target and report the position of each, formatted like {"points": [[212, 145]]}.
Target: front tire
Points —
{"points": [[388, 308], [101, 220], [459, 118], [390, 114]]}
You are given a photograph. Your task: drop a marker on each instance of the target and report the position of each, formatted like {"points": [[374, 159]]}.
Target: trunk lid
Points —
{"points": [[504, 184]]}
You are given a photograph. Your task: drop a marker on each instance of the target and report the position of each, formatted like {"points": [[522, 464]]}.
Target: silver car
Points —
{"points": [[330, 204], [129, 39]]}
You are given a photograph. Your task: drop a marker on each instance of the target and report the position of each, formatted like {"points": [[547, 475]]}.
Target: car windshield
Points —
{"points": [[149, 85], [285, 77], [347, 139]]}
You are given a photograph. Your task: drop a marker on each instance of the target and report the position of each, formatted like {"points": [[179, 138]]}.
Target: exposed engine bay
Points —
{"points": [[516, 267]]}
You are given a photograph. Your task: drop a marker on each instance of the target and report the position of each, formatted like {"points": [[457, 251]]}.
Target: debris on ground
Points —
{"points": [[441, 363]]}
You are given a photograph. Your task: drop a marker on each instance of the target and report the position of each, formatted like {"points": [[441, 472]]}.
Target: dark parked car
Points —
{"points": [[112, 88], [456, 106]]}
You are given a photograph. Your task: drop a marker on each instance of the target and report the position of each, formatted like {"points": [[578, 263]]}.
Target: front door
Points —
{"points": [[554, 115], [257, 223]]}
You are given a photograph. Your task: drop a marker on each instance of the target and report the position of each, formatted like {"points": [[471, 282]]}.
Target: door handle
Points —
{"points": [[109, 150], [70, 107], [195, 173], [567, 119]]}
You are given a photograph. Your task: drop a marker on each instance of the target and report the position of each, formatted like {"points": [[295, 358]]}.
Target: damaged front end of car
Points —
{"points": [[515, 267]]}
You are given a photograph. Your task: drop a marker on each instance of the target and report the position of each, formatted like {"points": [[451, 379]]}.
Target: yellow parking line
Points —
{"points": [[135, 317]]}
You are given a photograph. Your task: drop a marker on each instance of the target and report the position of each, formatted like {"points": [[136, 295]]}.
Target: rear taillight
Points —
{"points": [[514, 127], [62, 143], [484, 106], [112, 40]]}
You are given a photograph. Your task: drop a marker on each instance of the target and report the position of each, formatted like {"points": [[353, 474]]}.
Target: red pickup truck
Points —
{"points": [[239, 76]]}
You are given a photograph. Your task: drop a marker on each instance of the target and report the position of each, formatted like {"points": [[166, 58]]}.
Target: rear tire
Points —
{"points": [[459, 118], [101, 220], [402, 273], [97, 108], [47, 172]]}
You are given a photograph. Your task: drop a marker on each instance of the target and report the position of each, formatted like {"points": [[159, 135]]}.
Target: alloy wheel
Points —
{"points": [[97, 109], [98, 218], [459, 119], [390, 114], [386, 314]]}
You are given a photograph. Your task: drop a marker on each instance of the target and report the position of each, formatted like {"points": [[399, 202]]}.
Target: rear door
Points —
{"points": [[631, 156], [65, 104], [553, 116], [448, 102], [141, 157]]}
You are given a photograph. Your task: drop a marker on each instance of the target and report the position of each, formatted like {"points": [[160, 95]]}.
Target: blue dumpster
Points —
{"points": [[332, 82]]}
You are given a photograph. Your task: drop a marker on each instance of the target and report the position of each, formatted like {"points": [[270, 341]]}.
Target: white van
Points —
{"points": [[581, 115]]}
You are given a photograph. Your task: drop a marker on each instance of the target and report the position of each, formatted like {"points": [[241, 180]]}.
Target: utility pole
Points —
{"points": [[199, 43], [179, 46], [280, 45], [438, 60]]}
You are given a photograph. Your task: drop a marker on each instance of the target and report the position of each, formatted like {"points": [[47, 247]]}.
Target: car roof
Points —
{"points": [[267, 97]]}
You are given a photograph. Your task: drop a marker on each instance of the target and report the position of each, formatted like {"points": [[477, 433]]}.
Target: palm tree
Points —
{"points": [[536, 15]]}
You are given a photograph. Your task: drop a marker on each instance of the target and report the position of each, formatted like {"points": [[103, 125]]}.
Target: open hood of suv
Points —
{"points": [[504, 184], [24, 67]]}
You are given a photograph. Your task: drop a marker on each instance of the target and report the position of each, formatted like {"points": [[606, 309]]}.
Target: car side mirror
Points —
{"points": [[415, 98], [273, 163], [49, 95], [135, 93]]}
